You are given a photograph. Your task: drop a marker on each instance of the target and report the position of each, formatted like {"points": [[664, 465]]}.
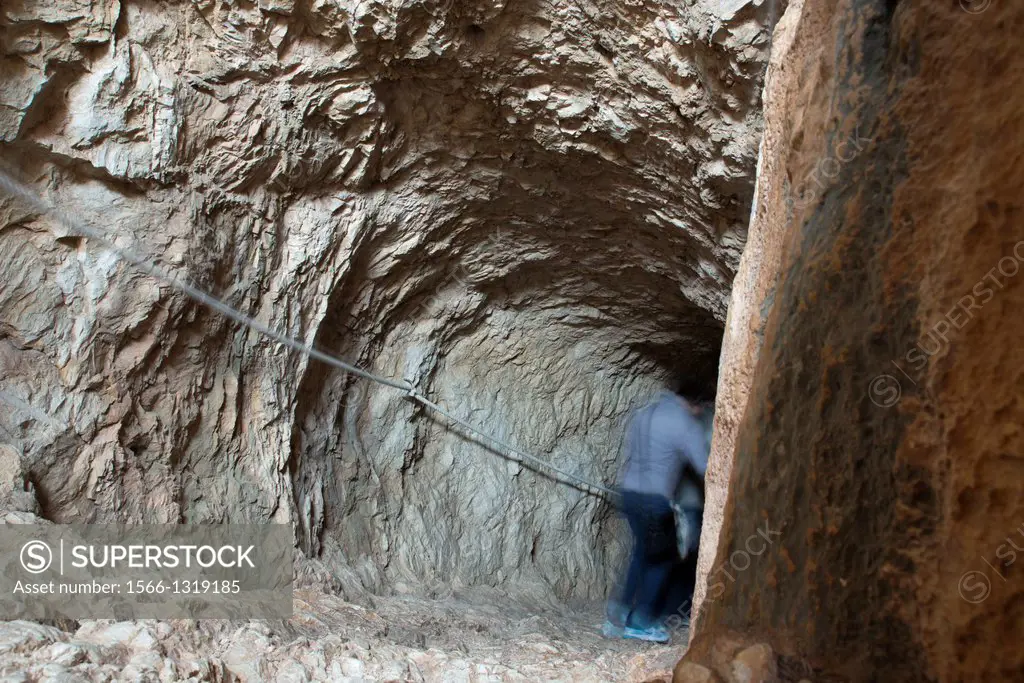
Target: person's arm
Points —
{"points": [[693, 446]]}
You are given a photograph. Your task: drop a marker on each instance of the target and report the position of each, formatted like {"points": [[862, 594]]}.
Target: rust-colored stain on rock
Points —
{"points": [[889, 367]]}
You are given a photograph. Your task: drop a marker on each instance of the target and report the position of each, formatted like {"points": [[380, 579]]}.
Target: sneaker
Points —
{"points": [[653, 634], [610, 630]]}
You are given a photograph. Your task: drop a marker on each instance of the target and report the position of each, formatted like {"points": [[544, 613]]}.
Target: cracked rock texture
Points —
{"points": [[395, 639], [876, 429], [533, 210]]}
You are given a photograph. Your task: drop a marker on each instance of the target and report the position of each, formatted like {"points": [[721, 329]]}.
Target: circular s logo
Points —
{"points": [[974, 587], [975, 6], [36, 557], [884, 391]]}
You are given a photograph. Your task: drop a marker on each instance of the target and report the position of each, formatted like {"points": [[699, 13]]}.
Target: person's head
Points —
{"points": [[696, 408], [695, 393]]}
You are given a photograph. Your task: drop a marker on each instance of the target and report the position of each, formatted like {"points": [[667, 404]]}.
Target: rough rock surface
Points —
{"points": [[755, 664], [730, 662], [479, 634], [688, 672], [879, 435], [752, 295], [479, 638], [533, 210]]}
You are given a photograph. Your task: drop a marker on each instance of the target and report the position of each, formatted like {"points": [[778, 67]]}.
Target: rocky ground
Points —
{"points": [[461, 638]]}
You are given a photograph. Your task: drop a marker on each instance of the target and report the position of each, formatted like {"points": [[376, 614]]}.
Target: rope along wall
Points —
{"points": [[21, 191]]}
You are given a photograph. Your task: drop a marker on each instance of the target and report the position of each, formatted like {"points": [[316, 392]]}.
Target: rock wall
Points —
{"points": [[534, 210], [753, 289], [875, 486]]}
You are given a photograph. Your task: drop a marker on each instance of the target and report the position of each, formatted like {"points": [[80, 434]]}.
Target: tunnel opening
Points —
{"points": [[547, 353], [535, 263], [533, 267]]}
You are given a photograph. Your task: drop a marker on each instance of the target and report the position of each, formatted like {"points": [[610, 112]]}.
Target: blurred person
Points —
{"points": [[667, 447]]}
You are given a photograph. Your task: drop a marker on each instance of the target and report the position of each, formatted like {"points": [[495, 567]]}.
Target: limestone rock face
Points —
{"points": [[532, 211], [755, 664], [875, 428], [729, 661], [397, 639], [688, 672]]}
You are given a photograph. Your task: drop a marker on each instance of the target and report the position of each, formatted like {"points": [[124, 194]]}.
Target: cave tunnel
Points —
{"points": [[262, 262]]}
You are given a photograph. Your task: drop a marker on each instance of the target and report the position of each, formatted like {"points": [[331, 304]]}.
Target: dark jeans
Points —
{"points": [[654, 556], [675, 608]]}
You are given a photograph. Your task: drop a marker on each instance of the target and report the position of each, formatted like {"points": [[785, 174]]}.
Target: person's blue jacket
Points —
{"points": [[663, 438]]}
